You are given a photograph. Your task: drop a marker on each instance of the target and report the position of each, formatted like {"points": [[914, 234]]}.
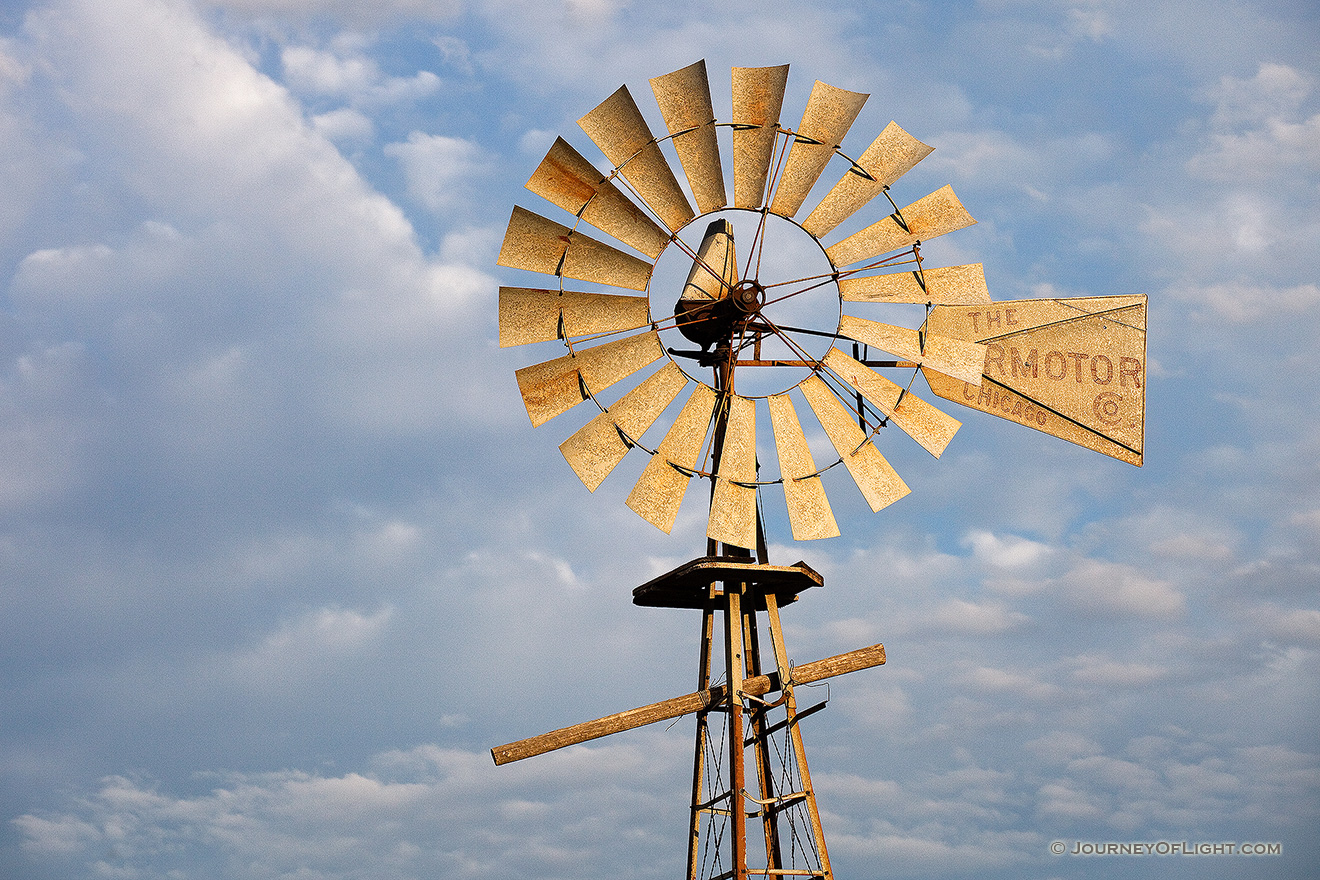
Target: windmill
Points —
{"points": [[737, 335]]}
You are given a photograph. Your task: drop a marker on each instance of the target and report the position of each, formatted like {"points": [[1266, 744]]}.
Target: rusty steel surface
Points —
{"points": [[598, 447], [684, 100], [937, 285], [874, 476], [733, 506], [715, 270], [538, 244], [659, 490], [556, 386], [890, 156], [758, 97], [934, 215], [617, 127], [922, 422], [809, 514], [830, 113], [529, 314], [568, 180], [1072, 368], [949, 355]]}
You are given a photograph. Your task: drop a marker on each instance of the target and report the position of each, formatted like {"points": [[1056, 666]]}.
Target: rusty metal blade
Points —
{"points": [[917, 418], [659, 490], [556, 386], [617, 127], [758, 96], [755, 686], [532, 242], [1073, 368], [809, 512], [928, 217], [890, 156], [880, 484], [600, 445], [733, 506], [949, 355], [830, 113], [684, 99], [940, 285], [538, 315], [565, 178]]}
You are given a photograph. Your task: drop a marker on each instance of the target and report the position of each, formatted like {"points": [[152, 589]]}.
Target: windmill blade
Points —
{"points": [[565, 178], [601, 444], [556, 386], [809, 513], [732, 505], [684, 99], [1073, 368], [917, 418], [758, 96], [890, 156], [942, 285], [532, 242], [880, 484], [830, 113], [537, 315], [928, 217], [946, 354], [659, 491], [617, 127]]}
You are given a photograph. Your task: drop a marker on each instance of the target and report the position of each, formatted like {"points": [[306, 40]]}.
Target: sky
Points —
{"points": [[282, 558]]}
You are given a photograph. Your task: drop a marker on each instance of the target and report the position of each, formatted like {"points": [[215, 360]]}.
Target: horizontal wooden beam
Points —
{"points": [[840, 664]]}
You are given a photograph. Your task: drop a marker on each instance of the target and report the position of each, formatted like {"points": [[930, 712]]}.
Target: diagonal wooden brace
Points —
{"points": [[840, 664]]}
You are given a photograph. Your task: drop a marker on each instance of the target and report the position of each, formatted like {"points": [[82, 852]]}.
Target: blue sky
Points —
{"points": [[281, 557]]}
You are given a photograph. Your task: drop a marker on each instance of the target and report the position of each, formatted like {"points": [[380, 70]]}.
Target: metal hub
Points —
{"points": [[748, 296]]}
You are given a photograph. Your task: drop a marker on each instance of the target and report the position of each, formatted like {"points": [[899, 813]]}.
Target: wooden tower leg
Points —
{"points": [[761, 745], [699, 793], [734, 665], [795, 734]]}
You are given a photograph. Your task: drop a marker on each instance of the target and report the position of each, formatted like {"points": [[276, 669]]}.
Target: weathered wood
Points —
{"points": [[795, 735], [840, 664]]}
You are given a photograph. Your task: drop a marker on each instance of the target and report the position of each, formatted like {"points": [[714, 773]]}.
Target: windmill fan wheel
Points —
{"points": [[731, 317]]}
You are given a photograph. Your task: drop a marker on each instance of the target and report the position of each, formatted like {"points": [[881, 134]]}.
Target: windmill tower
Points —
{"points": [[753, 329]]}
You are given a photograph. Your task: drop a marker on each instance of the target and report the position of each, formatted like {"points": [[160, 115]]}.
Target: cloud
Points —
{"points": [[985, 618], [996, 159], [1105, 672], [294, 823], [1290, 625], [1062, 746], [442, 172], [344, 72], [344, 125], [1111, 588], [306, 645], [364, 14], [1009, 552], [988, 679], [1245, 301], [1276, 91]]}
